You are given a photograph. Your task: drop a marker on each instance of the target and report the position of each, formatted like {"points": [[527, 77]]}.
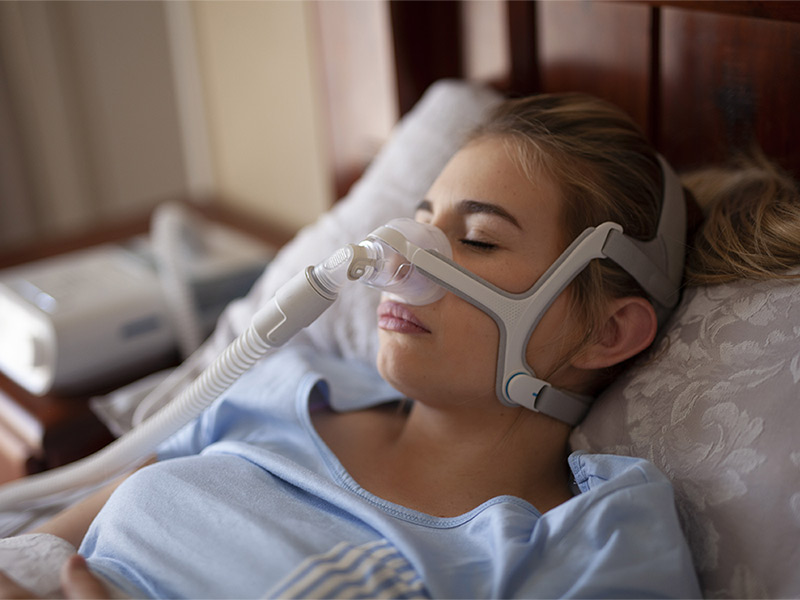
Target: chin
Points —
{"points": [[393, 369]]}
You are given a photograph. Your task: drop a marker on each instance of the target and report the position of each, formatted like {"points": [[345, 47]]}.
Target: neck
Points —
{"points": [[479, 456], [445, 461]]}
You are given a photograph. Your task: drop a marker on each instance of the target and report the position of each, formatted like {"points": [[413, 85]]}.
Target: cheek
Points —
{"points": [[468, 333], [553, 338], [459, 355]]}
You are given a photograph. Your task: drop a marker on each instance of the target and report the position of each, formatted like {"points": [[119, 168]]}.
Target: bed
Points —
{"points": [[715, 404]]}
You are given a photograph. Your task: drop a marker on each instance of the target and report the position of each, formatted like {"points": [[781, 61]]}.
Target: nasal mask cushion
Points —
{"points": [[394, 273], [414, 255]]}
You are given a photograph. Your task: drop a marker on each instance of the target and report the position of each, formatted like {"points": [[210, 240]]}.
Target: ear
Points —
{"points": [[630, 327]]}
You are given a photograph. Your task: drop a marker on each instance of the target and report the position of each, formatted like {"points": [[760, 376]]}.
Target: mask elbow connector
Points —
{"points": [[349, 263], [332, 274]]}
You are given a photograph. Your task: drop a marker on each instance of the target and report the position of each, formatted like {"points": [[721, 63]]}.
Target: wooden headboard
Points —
{"points": [[703, 79]]}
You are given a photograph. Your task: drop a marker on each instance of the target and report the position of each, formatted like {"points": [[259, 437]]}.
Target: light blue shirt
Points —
{"points": [[249, 502]]}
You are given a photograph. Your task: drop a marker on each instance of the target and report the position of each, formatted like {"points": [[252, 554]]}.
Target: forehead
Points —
{"points": [[489, 170]]}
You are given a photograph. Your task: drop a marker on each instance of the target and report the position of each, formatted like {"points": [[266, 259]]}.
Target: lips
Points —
{"points": [[393, 316]]}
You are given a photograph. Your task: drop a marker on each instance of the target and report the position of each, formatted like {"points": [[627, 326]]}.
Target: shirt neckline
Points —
{"points": [[306, 391]]}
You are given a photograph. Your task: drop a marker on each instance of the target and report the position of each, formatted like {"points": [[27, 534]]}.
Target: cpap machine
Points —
{"points": [[97, 317], [413, 262]]}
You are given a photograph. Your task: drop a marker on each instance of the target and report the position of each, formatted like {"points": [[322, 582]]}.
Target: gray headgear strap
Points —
{"points": [[657, 264]]}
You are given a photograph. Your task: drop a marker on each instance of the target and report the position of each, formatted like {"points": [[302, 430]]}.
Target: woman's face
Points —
{"points": [[503, 228]]}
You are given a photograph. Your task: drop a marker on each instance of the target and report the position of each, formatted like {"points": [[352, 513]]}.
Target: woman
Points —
{"points": [[454, 493]]}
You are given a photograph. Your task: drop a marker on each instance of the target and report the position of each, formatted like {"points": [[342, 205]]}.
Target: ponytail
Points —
{"points": [[752, 224]]}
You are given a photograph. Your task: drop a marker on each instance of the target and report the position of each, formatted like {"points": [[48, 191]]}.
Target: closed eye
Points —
{"points": [[477, 244]]}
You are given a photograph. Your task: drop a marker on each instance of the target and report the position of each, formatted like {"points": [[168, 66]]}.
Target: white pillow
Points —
{"points": [[716, 406]]}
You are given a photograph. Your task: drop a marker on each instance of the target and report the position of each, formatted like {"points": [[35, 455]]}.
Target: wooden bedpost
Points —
{"points": [[428, 46]]}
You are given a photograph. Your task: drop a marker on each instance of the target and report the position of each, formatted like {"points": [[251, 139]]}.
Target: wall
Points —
{"points": [[265, 108], [107, 108], [88, 115], [355, 53]]}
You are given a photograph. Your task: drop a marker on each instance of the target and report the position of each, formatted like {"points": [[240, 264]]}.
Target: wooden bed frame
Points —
{"points": [[703, 79]]}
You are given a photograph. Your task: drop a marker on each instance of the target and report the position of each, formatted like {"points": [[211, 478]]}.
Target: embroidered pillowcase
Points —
{"points": [[716, 406]]}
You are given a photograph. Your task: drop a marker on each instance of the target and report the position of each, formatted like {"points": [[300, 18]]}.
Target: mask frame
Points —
{"points": [[657, 265]]}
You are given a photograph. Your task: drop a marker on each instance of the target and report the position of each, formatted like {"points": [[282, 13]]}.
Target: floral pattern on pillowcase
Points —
{"points": [[716, 405]]}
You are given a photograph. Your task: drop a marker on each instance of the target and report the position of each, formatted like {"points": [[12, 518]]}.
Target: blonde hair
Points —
{"points": [[752, 224]]}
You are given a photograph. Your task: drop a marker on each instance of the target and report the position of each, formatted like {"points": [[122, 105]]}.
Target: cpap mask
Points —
{"points": [[412, 262]]}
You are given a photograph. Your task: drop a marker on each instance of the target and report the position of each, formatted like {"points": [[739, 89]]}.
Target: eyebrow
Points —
{"points": [[472, 207]]}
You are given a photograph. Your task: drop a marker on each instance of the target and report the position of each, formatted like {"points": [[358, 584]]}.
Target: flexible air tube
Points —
{"points": [[133, 448]]}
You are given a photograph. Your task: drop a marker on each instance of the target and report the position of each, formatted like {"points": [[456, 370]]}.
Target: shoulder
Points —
{"points": [[345, 384], [276, 393], [626, 515]]}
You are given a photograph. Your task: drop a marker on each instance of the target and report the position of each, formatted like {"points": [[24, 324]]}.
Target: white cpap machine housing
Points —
{"points": [[98, 317], [82, 319]]}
